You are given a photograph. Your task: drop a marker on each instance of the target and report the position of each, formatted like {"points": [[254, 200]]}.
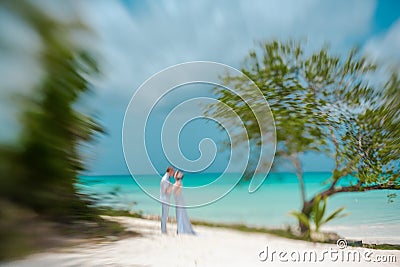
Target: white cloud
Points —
{"points": [[137, 43], [386, 47], [19, 68]]}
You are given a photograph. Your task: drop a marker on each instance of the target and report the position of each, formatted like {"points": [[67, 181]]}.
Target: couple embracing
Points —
{"points": [[166, 190]]}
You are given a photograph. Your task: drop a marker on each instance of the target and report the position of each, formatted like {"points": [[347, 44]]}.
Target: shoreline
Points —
{"points": [[284, 231], [372, 218], [211, 246]]}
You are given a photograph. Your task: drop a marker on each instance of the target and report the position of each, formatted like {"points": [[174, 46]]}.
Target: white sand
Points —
{"points": [[210, 247]]}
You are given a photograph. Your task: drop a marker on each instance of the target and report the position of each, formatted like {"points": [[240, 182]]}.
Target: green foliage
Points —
{"points": [[318, 213], [344, 106], [278, 73], [40, 171], [304, 220], [318, 216], [120, 212]]}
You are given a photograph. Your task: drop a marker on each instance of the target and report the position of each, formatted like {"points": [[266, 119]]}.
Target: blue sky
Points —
{"points": [[136, 39], [139, 38]]}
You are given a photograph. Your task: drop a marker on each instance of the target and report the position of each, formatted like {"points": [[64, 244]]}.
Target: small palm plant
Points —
{"points": [[318, 216]]}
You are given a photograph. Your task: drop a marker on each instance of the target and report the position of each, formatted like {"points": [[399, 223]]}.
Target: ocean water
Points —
{"points": [[371, 218]]}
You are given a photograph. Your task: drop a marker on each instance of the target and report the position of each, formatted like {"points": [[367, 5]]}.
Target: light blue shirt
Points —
{"points": [[164, 184]]}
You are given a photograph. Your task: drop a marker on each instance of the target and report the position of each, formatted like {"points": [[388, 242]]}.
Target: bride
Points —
{"points": [[182, 219]]}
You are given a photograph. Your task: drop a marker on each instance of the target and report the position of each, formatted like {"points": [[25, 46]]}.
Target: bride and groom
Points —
{"points": [[166, 190]]}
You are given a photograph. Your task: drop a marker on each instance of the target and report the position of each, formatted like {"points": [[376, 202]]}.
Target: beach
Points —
{"points": [[371, 218], [265, 132], [209, 247]]}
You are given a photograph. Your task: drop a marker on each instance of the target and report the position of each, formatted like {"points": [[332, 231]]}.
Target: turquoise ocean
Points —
{"points": [[371, 216]]}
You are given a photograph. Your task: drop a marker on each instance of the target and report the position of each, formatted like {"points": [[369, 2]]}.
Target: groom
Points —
{"points": [[165, 195]]}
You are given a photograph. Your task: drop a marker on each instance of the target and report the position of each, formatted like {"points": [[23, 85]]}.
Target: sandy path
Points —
{"points": [[210, 247]]}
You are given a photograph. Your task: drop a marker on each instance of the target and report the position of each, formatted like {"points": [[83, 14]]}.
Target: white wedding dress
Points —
{"points": [[182, 219]]}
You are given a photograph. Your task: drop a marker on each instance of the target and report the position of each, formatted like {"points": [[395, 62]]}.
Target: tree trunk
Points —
{"points": [[306, 210], [299, 174]]}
